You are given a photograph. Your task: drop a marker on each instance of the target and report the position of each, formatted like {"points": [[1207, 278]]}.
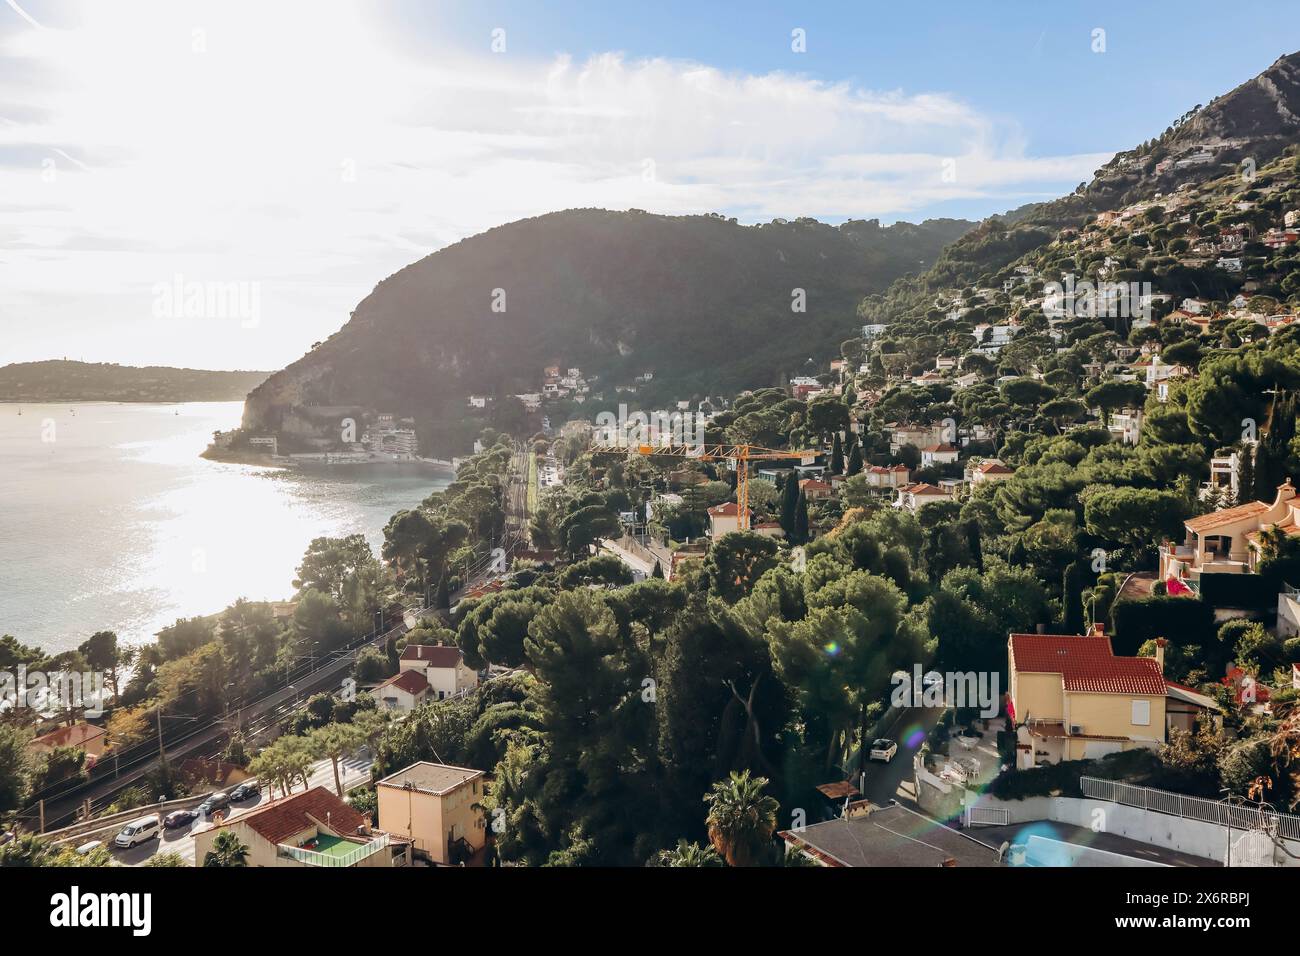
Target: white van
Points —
{"points": [[137, 831]]}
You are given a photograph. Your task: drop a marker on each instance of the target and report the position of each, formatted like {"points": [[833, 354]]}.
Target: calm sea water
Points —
{"points": [[109, 520]]}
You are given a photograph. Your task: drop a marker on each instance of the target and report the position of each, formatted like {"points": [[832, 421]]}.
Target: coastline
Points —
{"points": [[307, 459]]}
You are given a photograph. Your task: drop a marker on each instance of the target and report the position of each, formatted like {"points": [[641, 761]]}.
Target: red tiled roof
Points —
{"points": [[1086, 664], [1225, 516], [995, 468], [934, 448], [922, 489], [284, 818], [435, 655], [726, 509], [78, 735], [412, 681]]}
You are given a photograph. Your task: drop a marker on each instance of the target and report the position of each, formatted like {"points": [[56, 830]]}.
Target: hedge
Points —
{"points": [[1181, 620], [1252, 591]]}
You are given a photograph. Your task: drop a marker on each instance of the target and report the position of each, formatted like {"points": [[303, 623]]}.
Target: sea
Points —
{"points": [[110, 520]]}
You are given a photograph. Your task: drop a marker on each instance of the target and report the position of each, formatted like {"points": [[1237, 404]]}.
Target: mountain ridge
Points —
{"points": [[65, 380], [702, 303]]}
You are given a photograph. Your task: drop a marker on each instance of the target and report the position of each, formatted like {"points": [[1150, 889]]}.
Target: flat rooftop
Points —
{"points": [[1082, 836], [892, 836], [437, 778]]}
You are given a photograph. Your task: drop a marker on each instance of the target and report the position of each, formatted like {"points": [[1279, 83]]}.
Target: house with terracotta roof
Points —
{"points": [[1072, 698], [442, 666], [814, 489], [940, 454], [402, 692], [913, 497], [987, 469], [723, 519], [312, 828], [80, 736], [887, 476], [1228, 540]]}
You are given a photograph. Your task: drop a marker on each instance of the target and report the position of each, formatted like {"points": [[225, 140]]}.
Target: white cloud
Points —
{"points": [[217, 141]]}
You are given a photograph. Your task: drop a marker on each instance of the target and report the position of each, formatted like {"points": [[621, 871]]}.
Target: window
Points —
{"points": [[1141, 713]]}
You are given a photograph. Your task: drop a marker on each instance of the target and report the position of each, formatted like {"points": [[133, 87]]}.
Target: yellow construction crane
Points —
{"points": [[741, 455]]}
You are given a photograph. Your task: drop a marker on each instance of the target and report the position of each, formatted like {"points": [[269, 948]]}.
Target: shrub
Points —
{"points": [[1243, 762]]}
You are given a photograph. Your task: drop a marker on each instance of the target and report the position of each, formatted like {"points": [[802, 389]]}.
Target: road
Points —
{"points": [[328, 674], [894, 781], [352, 770]]}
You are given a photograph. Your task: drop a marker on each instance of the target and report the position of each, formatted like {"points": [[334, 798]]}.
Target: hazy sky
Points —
{"points": [[288, 155]]}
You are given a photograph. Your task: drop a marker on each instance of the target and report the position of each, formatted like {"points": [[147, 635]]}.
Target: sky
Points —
{"points": [[218, 184]]}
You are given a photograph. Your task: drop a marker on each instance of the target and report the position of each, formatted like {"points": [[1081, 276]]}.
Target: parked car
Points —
{"points": [[137, 831], [179, 818], [882, 748], [216, 801], [88, 848], [245, 791]]}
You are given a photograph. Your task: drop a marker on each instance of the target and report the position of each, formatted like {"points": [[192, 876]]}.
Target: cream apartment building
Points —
{"points": [[437, 807], [1227, 540]]}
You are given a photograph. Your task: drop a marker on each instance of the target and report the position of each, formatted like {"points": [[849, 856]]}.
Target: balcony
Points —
{"points": [[332, 851]]}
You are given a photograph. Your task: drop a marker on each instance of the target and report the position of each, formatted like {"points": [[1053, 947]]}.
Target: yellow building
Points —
{"points": [[1071, 698], [437, 807]]}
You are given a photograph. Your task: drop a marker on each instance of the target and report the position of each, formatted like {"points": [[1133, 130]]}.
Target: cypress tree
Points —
{"points": [[658, 571], [837, 456], [789, 503], [974, 544], [855, 461], [1245, 473], [443, 598], [1072, 598], [801, 520]]}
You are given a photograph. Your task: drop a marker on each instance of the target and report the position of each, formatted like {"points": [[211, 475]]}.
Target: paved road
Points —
{"points": [[893, 781], [352, 770]]}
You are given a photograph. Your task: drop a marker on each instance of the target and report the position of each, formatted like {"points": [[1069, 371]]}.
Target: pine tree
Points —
{"points": [[837, 456], [855, 461]]}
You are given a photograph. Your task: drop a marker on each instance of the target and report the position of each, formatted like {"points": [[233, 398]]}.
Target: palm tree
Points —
{"points": [[688, 854], [226, 851], [337, 741], [741, 819]]}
